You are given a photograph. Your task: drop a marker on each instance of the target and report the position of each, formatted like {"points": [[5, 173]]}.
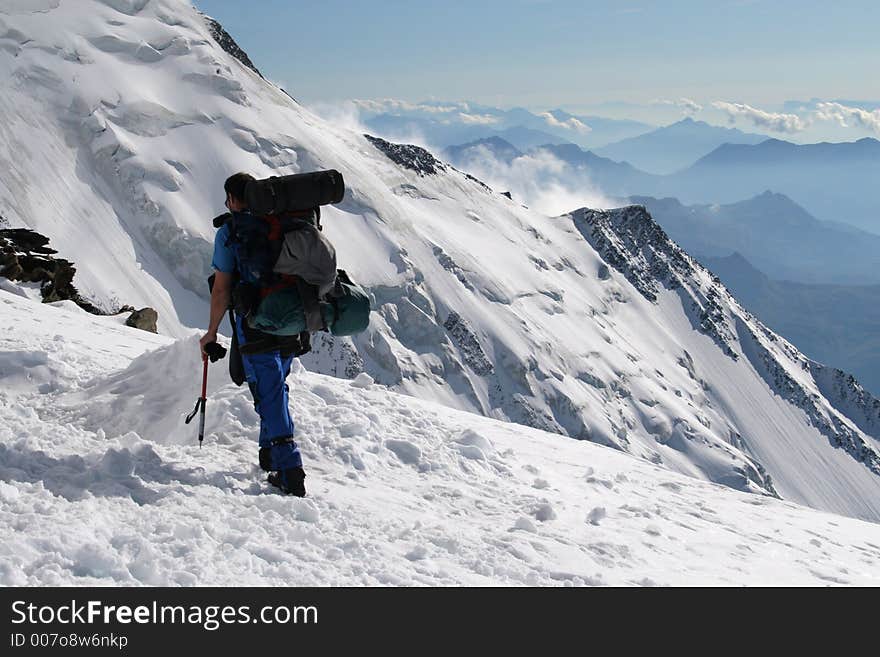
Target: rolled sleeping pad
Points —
{"points": [[301, 191]]}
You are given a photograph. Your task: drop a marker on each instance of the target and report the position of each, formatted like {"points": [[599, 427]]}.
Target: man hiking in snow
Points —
{"points": [[266, 370]]}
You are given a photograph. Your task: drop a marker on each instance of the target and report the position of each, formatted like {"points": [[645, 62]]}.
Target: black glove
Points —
{"points": [[215, 351]]}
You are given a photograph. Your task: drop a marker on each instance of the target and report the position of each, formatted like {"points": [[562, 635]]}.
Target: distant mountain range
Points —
{"points": [[834, 324], [446, 124], [776, 234], [674, 147], [496, 147], [833, 182]]}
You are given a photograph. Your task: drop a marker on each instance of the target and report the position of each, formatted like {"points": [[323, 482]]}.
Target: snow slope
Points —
{"points": [[102, 483], [119, 120]]}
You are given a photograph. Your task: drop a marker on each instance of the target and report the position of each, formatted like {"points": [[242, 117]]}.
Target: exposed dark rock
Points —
{"points": [[144, 319], [466, 340], [452, 267], [25, 256], [408, 156], [472, 178], [846, 392], [631, 242], [225, 40], [842, 389]]}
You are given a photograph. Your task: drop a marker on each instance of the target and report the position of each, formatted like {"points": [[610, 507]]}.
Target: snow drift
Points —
{"points": [[402, 491]]}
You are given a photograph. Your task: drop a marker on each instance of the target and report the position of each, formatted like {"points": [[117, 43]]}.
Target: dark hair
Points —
{"points": [[236, 183]]}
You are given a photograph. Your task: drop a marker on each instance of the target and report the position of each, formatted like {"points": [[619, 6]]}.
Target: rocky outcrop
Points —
{"points": [[414, 158], [848, 395], [144, 319], [225, 40], [464, 338], [631, 242], [25, 256], [862, 409]]}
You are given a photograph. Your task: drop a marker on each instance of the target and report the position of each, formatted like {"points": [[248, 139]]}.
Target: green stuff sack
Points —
{"points": [[345, 310], [351, 310], [281, 313]]}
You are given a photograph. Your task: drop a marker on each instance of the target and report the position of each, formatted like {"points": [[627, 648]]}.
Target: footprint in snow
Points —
{"points": [[418, 553], [543, 512], [607, 483], [362, 380], [596, 515], [526, 525], [405, 451]]}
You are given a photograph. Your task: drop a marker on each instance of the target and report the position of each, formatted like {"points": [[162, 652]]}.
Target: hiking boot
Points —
{"points": [[290, 481], [266, 459]]}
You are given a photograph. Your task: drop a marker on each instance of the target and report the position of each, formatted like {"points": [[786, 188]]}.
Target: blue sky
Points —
{"points": [[562, 53]]}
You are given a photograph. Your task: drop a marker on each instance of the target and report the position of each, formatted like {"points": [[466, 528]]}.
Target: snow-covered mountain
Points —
{"points": [[101, 483], [121, 119]]}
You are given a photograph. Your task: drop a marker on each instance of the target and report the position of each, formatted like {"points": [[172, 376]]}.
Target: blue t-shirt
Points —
{"points": [[224, 258]]}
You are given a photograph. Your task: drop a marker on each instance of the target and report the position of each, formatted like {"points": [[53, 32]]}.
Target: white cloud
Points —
{"points": [[539, 180], [570, 124], [788, 123], [688, 106], [345, 114], [847, 116], [393, 105], [477, 119]]}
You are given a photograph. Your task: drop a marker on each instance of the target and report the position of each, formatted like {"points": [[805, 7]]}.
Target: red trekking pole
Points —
{"points": [[200, 404], [215, 352]]}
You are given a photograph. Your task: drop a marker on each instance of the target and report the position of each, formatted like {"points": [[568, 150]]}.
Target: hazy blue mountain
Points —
{"points": [[673, 147], [527, 138], [603, 130], [833, 181], [446, 124], [613, 178], [834, 324], [776, 234], [500, 149]]}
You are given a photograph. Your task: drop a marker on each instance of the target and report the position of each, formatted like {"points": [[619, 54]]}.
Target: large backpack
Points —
{"points": [[289, 284]]}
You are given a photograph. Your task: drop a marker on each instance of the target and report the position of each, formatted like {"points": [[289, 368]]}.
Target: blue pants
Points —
{"points": [[266, 374]]}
